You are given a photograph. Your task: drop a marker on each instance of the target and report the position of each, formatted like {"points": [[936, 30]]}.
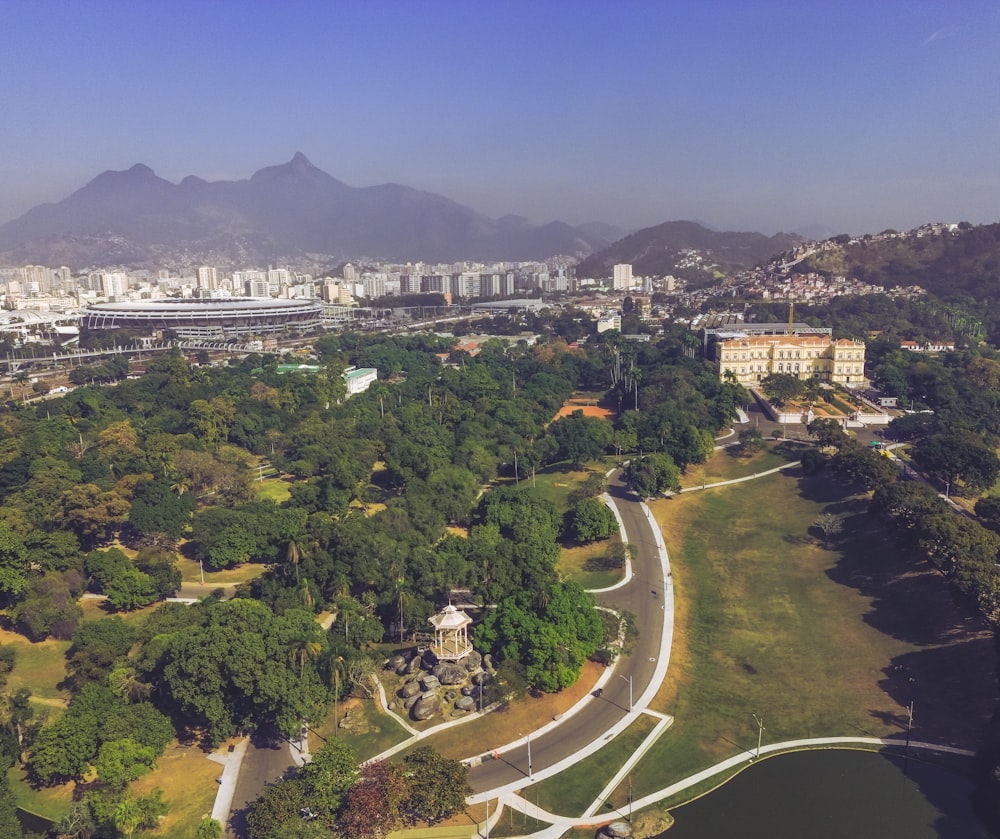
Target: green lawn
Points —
{"points": [[191, 573], [376, 732], [816, 641], [273, 489]]}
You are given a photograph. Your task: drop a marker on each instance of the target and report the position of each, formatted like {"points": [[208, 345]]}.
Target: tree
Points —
{"points": [[781, 387], [590, 520], [329, 776], [375, 803], [653, 474], [827, 432], [281, 803], [157, 510], [958, 456], [48, 609], [579, 438], [128, 816], [13, 556], [829, 525], [209, 828], [551, 632], [437, 785], [119, 762], [751, 441]]}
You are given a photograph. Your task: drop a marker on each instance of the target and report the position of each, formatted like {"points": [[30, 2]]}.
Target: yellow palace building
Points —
{"points": [[752, 358]]}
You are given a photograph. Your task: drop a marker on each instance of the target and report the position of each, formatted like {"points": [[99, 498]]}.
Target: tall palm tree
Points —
{"points": [[304, 649], [293, 554]]}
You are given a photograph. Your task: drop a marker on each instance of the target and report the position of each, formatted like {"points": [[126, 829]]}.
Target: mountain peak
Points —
{"points": [[300, 160], [141, 169]]}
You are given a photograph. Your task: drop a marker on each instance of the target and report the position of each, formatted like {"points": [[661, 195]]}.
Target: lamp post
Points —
{"points": [[909, 723], [529, 754], [760, 732], [629, 680]]}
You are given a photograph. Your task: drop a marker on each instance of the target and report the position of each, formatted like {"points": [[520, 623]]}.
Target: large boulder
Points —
{"points": [[473, 661], [430, 682], [413, 700], [450, 673], [426, 707], [416, 663], [465, 703], [397, 664], [410, 688], [617, 830]]}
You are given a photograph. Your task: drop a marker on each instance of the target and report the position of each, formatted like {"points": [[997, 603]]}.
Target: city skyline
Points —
{"points": [[757, 116]]}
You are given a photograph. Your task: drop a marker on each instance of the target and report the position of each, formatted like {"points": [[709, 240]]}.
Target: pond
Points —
{"points": [[832, 794]]}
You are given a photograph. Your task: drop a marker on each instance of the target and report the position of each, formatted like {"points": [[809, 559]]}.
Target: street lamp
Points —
{"points": [[760, 732], [529, 754], [629, 680]]}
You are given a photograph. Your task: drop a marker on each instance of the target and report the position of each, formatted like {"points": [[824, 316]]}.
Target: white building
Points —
{"points": [[359, 379], [622, 276], [208, 278]]}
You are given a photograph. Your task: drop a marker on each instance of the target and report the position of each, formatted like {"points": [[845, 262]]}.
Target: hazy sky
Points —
{"points": [[749, 115]]}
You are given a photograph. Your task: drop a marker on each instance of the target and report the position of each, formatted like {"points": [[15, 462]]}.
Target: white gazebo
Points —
{"points": [[451, 634]]}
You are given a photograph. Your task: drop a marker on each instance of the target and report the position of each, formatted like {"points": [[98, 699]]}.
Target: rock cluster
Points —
{"points": [[431, 688]]}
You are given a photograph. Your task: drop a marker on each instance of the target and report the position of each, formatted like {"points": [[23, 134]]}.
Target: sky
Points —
{"points": [[741, 114]]}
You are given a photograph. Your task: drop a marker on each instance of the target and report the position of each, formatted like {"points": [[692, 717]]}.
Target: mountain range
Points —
{"points": [[136, 219]]}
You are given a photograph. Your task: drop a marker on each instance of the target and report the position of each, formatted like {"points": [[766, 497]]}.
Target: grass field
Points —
{"points": [[187, 778], [273, 489], [39, 666], [191, 573], [578, 563], [817, 641], [376, 733], [724, 466]]}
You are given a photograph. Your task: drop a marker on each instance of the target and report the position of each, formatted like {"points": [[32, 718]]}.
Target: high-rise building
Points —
{"points": [[622, 275], [208, 278]]}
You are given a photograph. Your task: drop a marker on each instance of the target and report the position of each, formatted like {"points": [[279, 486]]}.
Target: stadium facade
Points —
{"points": [[207, 318]]}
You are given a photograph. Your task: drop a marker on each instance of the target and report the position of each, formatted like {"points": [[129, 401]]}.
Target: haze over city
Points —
{"points": [[766, 116]]}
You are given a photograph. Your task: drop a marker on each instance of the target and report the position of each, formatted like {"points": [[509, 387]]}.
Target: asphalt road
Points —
{"points": [[643, 597]]}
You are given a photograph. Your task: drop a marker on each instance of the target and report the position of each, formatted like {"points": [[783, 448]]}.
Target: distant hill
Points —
{"points": [[946, 262], [136, 218], [658, 250]]}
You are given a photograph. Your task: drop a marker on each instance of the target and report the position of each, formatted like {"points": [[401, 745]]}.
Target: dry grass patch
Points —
{"points": [[188, 780], [582, 563], [39, 666]]}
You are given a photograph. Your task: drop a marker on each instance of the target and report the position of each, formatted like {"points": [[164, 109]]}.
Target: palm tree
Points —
{"points": [[293, 554], [128, 816], [304, 649], [21, 377], [337, 661]]}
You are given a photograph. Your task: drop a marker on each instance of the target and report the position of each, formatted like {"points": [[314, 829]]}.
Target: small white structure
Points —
{"points": [[359, 379], [451, 634]]}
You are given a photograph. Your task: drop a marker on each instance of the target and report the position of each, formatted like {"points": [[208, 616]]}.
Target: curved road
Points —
{"points": [[643, 596]]}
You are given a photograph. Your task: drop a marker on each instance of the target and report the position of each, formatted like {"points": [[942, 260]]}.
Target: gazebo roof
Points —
{"points": [[449, 618]]}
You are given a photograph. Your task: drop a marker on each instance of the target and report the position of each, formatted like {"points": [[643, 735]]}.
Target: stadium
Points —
{"points": [[209, 318]]}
